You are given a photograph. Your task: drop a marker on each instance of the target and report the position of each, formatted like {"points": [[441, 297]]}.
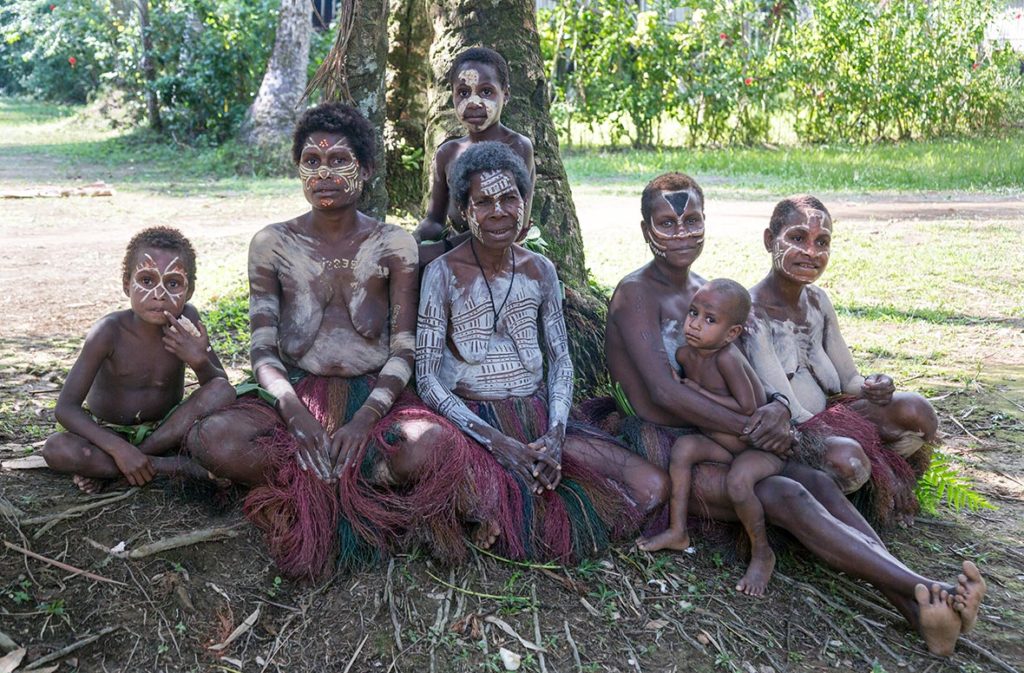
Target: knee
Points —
{"points": [[914, 413], [656, 490], [847, 463], [204, 438], [58, 452], [414, 454], [215, 394], [738, 486]]}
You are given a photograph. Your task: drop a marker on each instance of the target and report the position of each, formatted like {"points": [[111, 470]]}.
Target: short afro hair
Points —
{"points": [[667, 182], [737, 299], [794, 204], [481, 55], [337, 118], [162, 238], [485, 156]]}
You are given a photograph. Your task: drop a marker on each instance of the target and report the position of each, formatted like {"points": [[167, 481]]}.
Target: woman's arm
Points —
{"points": [[432, 226], [556, 343], [264, 353]]}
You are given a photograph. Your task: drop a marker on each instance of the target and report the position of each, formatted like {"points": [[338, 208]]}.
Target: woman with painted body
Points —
{"points": [[647, 311], [542, 489], [795, 346], [332, 310]]}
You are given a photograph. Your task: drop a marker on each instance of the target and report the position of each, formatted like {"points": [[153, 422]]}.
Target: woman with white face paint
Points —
{"points": [[332, 300], [540, 488], [794, 344]]}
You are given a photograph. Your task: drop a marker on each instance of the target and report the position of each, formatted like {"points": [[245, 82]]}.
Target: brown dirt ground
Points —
{"points": [[626, 612]]}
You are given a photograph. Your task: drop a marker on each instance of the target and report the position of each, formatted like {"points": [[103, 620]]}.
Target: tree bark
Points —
{"points": [[510, 27], [271, 117], [366, 66], [409, 75]]}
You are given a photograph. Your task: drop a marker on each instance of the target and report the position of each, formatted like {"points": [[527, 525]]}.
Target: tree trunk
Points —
{"points": [[271, 117], [409, 76], [366, 66], [149, 68], [510, 27]]}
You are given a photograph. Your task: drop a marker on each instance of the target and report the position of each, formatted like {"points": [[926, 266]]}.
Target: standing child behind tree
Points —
{"points": [[714, 367], [128, 382], [480, 89]]}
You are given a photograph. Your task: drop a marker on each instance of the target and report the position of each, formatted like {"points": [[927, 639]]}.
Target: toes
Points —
{"points": [[921, 594]]}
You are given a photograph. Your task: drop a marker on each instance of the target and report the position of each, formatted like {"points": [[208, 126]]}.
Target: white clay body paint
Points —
{"points": [[496, 184], [147, 268], [783, 249], [471, 78]]}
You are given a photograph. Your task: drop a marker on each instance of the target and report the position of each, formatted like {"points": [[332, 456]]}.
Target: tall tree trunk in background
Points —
{"points": [[366, 70], [271, 117], [149, 68], [354, 71], [409, 75], [510, 27]]}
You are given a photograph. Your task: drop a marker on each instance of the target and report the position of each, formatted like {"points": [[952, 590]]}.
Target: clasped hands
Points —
{"points": [[538, 464], [328, 455], [878, 389]]}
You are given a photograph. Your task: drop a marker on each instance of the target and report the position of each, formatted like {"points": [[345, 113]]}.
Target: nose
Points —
{"points": [[323, 172]]}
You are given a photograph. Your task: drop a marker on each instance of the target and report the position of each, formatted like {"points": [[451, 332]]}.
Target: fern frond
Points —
{"points": [[943, 483]]}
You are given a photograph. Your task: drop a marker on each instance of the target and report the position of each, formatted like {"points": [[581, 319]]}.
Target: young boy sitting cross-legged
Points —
{"points": [[129, 379], [713, 366]]}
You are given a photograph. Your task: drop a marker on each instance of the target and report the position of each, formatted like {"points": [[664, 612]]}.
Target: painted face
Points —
{"points": [[159, 283], [801, 250], [495, 210], [676, 229], [330, 173], [709, 324], [478, 96]]}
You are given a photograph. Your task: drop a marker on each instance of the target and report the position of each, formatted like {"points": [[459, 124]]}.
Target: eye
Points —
{"points": [[486, 91], [462, 92], [312, 160], [710, 320], [172, 284], [693, 312]]}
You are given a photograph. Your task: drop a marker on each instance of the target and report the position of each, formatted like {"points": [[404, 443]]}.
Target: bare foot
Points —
{"points": [[970, 590], [485, 534], [88, 484], [938, 622], [678, 540], [755, 580]]}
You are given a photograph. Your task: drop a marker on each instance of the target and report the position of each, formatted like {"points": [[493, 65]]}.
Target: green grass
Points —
{"points": [[957, 164]]}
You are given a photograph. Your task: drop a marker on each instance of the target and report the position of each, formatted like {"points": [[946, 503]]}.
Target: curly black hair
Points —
{"points": [[485, 156], [667, 182], [737, 299], [793, 204], [481, 55], [162, 238], [337, 118]]}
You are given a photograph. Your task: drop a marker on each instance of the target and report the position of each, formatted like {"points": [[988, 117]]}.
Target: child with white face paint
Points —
{"points": [[121, 405], [480, 89]]}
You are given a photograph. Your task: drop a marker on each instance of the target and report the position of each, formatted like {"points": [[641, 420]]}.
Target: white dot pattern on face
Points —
{"points": [[148, 264], [347, 176]]}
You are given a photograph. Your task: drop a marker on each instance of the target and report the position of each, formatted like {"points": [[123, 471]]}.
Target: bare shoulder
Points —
{"points": [[818, 298], [106, 330], [398, 242], [270, 235], [450, 149], [520, 144], [534, 263]]}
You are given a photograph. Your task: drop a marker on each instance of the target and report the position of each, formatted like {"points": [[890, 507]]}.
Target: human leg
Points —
{"points": [[746, 471], [845, 461], [215, 394], [825, 490], [225, 443], [646, 485], [687, 451], [905, 424]]}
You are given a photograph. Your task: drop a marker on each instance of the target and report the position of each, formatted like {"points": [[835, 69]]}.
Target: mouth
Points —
{"points": [[807, 266], [690, 336]]}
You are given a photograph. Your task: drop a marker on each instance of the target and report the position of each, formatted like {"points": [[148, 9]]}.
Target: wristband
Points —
{"points": [[783, 400]]}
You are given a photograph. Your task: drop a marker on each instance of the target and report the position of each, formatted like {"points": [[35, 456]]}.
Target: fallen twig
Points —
{"points": [[166, 544], [246, 624], [356, 654], [51, 520], [978, 649], [504, 626], [62, 566], [900, 661], [572, 646], [53, 656], [536, 629]]}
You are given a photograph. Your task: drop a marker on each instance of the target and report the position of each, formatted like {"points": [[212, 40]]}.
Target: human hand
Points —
{"points": [[517, 458], [768, 429], [547, 470], [350, 439], [136, 466], [189, 342], [314, 444], [878, 389]]}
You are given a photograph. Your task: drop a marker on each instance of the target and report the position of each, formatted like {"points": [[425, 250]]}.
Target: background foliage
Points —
{"points": [[730, 70]]}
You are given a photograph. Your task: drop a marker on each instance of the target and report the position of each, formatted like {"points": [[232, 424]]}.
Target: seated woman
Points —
{"points": [[332, 296], [646, 313], [794, 344], [540, 488]]}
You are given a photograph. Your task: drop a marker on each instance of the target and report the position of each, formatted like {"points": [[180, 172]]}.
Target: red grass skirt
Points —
{"points": [[312, 525]]}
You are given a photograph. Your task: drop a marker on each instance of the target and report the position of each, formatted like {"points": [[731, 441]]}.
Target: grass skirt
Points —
{"points": [[312, 526]]}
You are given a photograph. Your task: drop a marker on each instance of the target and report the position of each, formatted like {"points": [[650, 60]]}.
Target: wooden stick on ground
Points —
{"points": [[51, 520], [168, 543], [63, 652], [62, 566]]}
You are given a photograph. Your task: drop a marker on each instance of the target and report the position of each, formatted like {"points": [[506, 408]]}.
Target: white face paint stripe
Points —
{"points": [[175, 297], [348, 175]]}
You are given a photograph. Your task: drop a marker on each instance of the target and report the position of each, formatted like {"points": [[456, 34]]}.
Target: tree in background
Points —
{"points": [[269, 120]]}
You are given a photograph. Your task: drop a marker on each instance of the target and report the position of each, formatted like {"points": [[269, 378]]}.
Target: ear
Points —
{"points": [[125, 285], [769, 238], [507, 94], [734, 333]]}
